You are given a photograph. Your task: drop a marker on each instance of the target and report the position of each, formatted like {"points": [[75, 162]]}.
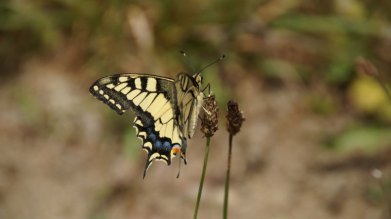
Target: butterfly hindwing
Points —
{"points": [[158, 147]]}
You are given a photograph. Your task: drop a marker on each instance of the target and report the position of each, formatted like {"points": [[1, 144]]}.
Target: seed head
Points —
{"points": [[235, 117], [209, 119]]}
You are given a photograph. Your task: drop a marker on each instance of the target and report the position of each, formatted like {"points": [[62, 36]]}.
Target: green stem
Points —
{"points": [[202, 177], [226, 188]]}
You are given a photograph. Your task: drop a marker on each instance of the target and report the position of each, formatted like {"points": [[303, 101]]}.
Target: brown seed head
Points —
{"points": [[209, 118], [235, 117]]}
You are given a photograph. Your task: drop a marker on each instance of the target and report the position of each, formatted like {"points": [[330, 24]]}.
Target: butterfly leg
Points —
{"points": [[207, 87]]}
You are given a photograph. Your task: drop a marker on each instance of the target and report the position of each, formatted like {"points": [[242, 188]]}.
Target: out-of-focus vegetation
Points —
{"points": [[308, 41], [304, 45]]}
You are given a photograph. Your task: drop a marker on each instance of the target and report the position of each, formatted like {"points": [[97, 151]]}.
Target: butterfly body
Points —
{"points": [[166, 109]]}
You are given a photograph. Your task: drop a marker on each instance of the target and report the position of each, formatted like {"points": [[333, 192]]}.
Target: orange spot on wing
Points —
{"points": [[175, 150]]}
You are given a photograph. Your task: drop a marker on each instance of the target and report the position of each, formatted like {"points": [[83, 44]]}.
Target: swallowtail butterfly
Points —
{"points": [[166, 109]]}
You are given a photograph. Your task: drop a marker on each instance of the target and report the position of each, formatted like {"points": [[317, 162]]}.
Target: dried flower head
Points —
{"points": [[209, 119], [235, 117]]}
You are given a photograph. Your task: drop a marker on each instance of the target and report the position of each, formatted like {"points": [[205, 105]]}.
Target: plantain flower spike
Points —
{"points": [[209, 119], [235, 117]]}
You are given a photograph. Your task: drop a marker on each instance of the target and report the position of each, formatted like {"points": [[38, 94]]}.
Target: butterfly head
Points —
{"points": [[198, 78]]}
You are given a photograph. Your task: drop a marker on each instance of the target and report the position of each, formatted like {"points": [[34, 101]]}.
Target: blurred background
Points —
{"points": [[310, 77]]}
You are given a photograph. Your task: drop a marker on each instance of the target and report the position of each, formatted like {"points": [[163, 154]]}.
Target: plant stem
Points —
{"points": [[202, 177], [226, 188]]}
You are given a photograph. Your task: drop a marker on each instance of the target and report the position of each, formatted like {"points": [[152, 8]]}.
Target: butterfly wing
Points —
{"points": [[189, 99], [153, 100], [124, 91]]}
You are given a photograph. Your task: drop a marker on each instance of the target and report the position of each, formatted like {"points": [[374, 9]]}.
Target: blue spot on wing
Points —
{"points": [[166, 145], [152, 136], [158, 143]]}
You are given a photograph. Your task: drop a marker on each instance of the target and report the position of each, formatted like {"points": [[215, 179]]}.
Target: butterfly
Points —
{"points": [[166, 109]]}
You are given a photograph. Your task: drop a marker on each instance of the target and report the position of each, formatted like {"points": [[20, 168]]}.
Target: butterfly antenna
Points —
{"points": [[187, 61], [212, 63]]}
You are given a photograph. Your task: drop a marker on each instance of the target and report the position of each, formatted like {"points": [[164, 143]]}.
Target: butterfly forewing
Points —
{"points": [[135, 91]]}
